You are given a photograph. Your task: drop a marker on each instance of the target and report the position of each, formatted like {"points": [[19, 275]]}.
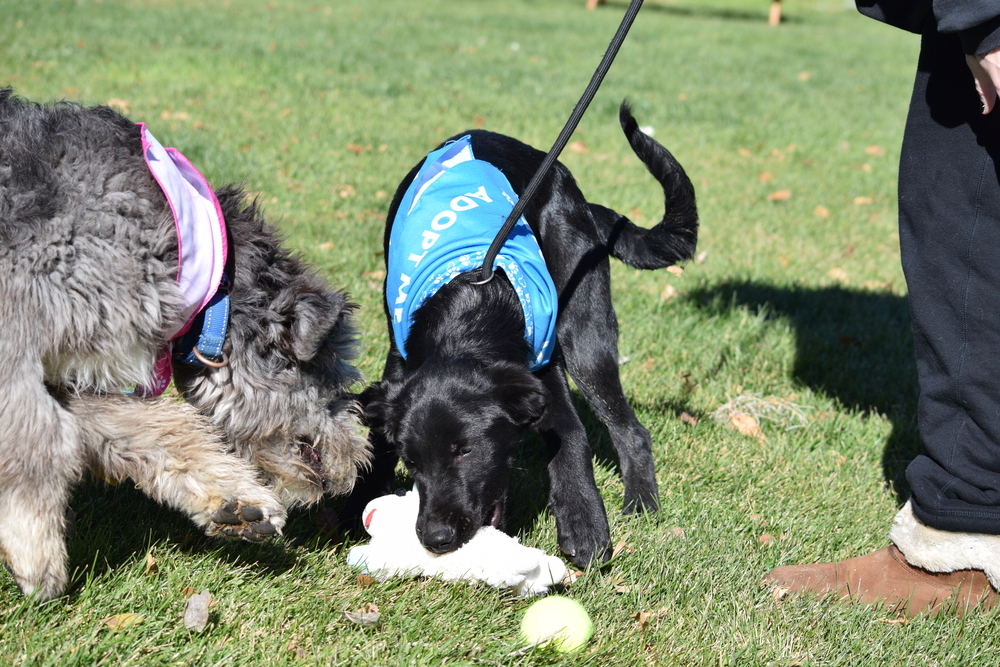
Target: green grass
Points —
{"points": [[321, 107]]}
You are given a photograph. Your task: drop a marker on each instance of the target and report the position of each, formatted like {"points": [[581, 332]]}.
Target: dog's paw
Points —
{"points": [[244, 521], [584, 542]]}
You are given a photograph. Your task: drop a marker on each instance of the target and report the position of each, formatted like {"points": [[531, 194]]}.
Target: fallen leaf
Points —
{"points": [[364, 581], [196, 611], [122, 621], [863, 201], [299, 652], [837, 274], [377, 274], [151, 566], [620, 547], [875, 151], [821, 212], [867, 168], [368, 616], [780, 195], [676, 270], [329, 245], [188, 591], [355, 148], [618, 585], [688, 419], [766, 539], [572, 576], [804, 76], [745, 152], [677, 532], [778, 593], [578, 147], [765, 176], [166, 114], [642, 618], [747, 425], [895, 621], [701, 257], [120, 105], [346, 191], [669, 292]]}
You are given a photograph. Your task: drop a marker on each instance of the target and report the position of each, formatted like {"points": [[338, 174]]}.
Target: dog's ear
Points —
{"points": [[523, 395], [321, 333], [377, 407]]}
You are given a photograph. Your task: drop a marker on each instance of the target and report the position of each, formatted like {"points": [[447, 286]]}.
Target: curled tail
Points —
{"points": [[673, 239]]}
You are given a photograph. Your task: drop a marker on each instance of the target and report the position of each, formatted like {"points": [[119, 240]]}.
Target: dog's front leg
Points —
{"points": [[377, 479], [581, 521], [40, 459], [176, 457]]}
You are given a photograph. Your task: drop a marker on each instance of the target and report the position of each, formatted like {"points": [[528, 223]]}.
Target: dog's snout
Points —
{"points": [[439, 539]]}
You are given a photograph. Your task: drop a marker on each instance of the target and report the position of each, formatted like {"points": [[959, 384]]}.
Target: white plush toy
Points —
{"points": [[490, 556]]}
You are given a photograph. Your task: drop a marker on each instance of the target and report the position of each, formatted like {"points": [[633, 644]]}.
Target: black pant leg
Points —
{"points": [[949, 200]]}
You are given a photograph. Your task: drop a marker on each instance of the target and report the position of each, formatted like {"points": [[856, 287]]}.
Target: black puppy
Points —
{"points": [[454, 403]]}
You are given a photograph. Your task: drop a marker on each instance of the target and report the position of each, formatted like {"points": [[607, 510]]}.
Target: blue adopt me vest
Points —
{"points": [[445, 223]]}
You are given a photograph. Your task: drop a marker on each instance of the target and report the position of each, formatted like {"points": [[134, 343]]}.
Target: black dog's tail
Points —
{"points": [[673, 239]]}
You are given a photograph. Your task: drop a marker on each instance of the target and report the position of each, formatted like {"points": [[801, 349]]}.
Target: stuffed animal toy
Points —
{"points": [[490, 556]]}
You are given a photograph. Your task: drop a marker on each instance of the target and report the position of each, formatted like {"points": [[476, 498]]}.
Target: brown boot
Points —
{"points": [[885, 577]]}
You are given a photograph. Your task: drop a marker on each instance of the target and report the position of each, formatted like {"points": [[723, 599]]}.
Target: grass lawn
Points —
{"points": [[791, 137]]}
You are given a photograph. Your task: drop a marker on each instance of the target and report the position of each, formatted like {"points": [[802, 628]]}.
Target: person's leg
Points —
{"points": [[949, 206]]}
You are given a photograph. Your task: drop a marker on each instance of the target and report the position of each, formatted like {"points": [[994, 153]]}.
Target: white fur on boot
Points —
{"points": [[944, 551]]}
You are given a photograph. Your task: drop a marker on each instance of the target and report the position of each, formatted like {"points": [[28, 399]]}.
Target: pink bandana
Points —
{"points": [[202, 246]]}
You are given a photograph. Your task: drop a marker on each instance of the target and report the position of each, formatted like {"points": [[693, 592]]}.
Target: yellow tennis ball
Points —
{"points": [[562, 621]]}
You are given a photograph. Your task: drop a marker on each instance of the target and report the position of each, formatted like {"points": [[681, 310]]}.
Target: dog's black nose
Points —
{"points": [[439, 539]]}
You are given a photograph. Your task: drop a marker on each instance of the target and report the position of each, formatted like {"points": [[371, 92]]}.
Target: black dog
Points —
{"points": [[455, 407]]}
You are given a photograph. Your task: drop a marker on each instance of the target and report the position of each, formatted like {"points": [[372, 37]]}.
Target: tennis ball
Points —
{"points": [[562, 620]]}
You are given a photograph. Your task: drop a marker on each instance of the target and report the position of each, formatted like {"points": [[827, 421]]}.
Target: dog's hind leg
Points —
{"points": [[581, 521], [588, 336], [176, 457], [40, 459]]}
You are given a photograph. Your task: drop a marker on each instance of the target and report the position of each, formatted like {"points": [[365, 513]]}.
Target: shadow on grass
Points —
{"points": [[700, 11], [852, 345], [115, 525]]}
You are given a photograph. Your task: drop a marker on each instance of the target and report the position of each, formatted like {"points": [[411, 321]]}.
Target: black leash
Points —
{"points": [[486, 270]]}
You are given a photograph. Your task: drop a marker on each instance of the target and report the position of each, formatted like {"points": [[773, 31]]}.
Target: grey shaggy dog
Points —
{"points": [[88, 289]]}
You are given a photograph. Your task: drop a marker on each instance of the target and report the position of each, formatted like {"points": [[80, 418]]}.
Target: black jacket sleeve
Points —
{"points": [[977, 22]]}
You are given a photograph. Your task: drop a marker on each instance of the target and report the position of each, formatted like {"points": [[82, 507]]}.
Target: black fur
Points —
{"points": [[456, 408]]}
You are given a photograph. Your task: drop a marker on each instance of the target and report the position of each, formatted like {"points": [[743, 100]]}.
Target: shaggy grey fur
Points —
{"points": [[88, 263]]}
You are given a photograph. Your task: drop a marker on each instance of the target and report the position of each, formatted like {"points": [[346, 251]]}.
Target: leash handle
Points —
{"points": [[486, 270]]}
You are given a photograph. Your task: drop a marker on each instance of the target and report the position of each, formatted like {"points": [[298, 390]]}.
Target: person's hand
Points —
{"points": [[986, 71]]}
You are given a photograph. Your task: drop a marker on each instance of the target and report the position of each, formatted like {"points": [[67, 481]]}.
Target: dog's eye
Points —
{"points": [[462, 451]]}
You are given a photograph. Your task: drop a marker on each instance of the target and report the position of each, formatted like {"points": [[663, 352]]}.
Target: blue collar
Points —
{"points": [[203, 342]]}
